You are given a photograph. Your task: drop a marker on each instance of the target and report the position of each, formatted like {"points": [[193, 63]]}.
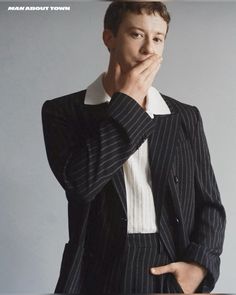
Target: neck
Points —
{"points": [[108, 79]]}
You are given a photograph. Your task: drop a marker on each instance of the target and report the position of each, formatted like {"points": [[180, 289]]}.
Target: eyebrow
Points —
{"points": [[137, 28]]}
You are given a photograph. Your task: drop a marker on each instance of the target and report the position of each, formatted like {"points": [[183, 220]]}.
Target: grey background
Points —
{"points": [[49, 54]]}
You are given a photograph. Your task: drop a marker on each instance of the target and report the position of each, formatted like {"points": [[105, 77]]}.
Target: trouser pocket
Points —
{"points": [[171, 284]]}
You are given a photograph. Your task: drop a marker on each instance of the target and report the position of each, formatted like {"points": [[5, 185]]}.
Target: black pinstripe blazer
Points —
{"points": [[86, 147]]}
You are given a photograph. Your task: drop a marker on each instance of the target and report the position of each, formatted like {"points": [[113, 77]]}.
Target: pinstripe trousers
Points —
{"points": [[130, 273]]}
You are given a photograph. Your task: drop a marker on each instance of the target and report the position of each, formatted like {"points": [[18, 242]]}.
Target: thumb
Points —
{"points": [[163, 269]]}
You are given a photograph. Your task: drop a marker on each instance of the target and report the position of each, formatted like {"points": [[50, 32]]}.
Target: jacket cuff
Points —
{"points": [[131, 116], [207, 259]]}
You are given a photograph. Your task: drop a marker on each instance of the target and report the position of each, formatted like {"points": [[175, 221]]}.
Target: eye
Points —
{"points": [[136, 35], [158, 40]]}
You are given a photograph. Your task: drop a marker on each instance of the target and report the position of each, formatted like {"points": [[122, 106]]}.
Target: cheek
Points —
{"points": [[160, 49], [125, 54]]}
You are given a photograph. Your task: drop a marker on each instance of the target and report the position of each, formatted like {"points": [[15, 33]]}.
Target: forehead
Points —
{"points": [[148, 22]]}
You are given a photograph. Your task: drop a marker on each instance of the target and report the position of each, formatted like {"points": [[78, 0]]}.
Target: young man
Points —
{"points": [[145, 214]]}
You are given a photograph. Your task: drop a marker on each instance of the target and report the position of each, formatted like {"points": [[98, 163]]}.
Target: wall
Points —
{"points": [[49, 54]]}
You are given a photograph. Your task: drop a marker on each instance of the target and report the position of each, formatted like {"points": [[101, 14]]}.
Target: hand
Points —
{"points": [[138, 80], [188, 275]]}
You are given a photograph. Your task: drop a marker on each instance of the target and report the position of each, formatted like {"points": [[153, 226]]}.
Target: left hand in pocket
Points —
{"points": [[188, 275]]}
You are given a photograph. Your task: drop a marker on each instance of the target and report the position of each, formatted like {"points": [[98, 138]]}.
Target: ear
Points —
{"points": [[108, 39]]}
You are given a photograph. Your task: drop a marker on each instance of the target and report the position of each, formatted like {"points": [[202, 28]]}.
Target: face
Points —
{"points": [[138, 37]]}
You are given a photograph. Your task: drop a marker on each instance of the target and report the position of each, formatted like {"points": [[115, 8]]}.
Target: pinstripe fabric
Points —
{"points": [[143, 251], [132, 271], [86, 148]]}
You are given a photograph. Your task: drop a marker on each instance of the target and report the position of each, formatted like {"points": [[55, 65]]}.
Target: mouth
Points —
{"points": [[140, 60], [143, 59]]}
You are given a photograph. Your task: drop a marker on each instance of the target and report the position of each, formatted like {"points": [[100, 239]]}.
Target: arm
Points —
{"points": [[207, 240], [198, 269], [83, 165]]}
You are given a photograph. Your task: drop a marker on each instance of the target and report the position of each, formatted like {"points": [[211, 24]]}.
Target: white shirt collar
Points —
{"points": [[96, 94]]}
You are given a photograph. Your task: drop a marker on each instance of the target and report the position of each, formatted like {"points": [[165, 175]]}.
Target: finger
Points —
{"points": [[151, 70], [149, 78], [149, 66], [144, 65], [163, 269]]}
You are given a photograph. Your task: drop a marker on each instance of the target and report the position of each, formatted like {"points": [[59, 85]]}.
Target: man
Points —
{"points": [[144, 209]]}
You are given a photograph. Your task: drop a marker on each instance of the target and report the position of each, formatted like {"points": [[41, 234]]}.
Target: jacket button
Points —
{"points": [[123, 219], [176, 179], [177, 219]]}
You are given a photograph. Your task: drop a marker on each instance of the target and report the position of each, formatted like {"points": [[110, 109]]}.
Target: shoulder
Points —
{"points": [[189, 115], [186, 111], [68, 103]]}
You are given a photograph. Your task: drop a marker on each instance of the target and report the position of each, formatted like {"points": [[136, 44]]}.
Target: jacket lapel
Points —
{"points": [[161, 148]]}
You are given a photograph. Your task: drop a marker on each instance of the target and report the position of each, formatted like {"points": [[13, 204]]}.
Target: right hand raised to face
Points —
{"points": [[139, 79]]}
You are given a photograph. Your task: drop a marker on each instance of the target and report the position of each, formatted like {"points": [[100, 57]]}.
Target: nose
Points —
{"points": [[147, 47]]}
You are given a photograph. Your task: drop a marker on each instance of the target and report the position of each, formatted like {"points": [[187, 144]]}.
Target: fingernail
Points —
{"points": [[153, 270]]}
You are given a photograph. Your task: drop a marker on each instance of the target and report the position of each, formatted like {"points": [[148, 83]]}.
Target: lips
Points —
{"points": [[142, 60]]}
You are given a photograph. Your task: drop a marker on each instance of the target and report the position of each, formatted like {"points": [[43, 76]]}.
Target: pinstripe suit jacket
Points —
{"points": [[86, 147]]}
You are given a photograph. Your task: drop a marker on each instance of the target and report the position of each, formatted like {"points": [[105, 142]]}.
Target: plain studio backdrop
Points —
{"points": [[46, 54]]}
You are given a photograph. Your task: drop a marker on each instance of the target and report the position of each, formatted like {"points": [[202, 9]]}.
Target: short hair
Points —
{"points": [[117, 9]]}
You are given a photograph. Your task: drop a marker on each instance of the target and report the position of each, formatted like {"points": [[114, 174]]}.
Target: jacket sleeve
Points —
{"points": [[208, 236], [83, 165]]}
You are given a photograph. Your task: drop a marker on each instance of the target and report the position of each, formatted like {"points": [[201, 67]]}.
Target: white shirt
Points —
{"points": [[141, 214]]}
